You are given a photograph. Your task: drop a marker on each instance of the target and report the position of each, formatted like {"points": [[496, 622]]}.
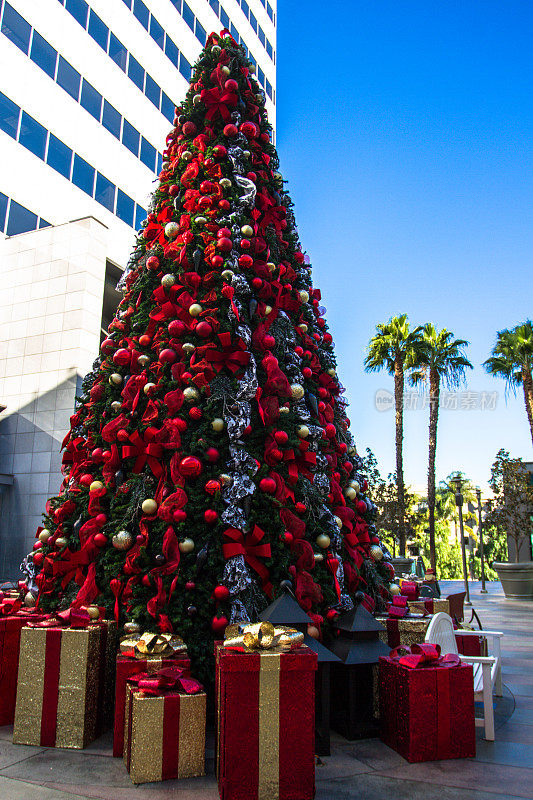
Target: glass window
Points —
{"points": [[270, 12], [269, 48], [185, 67], [215, 6], [127, 3], [152, 91], [167, 107], [136, 72], [141, 12], [59, 156], [261, 76], [130, 137], [253, 22], [176, 4], [43, 223], [91, 100], [98, 30], [9, 116], [200, 34], [32, 135], [3, 211], [83, 175], [187, 15], [147, 153], [111, 119], [125, 208], [79, 10], [245, 7], [43, 54], [16, 28], [268, 88], [118, 52], [159, 165], [140, 216], [172, 51], [20, 220], [68, 78], [234, 32], [261, 35], [224, 18], [157, 33], [105, 192]]}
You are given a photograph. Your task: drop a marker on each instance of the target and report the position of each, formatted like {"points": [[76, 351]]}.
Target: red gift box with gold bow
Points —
{"points": [[265, 722], [427, 704]]}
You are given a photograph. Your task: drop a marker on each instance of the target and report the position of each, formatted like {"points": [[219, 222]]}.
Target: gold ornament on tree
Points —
{"points": [[122, 540]]}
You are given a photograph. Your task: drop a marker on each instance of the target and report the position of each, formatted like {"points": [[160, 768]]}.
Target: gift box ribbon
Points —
{"points": [[262, 636], [423, 655], [166, 678], [145, 645], [71, 618]]}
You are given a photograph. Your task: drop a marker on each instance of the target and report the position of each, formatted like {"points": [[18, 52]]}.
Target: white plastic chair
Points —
{"points": [[487, 669]]}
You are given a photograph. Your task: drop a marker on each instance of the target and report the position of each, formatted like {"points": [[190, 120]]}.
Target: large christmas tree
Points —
{"points": [[209, 465]]}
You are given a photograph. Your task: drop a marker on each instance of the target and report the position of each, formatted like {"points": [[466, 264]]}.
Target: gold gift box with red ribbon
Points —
{"points": [[64, 683]]}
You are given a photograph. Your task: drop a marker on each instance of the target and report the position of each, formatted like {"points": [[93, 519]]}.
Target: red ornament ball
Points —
{"points": [[212, 487], [219, 150], [190, 585], [249, 129], [307, 372], [86, 479], [330, 430], [100, 520], [176, 327], [167, 356], [173, 192], [210, 516], [203, 329], [189, 128], [212, 455], [181, 424], [224, 205], [219, 624], [153, 262], [179, 515], [231, 86], [100, 540], [245, 261], [221, 593], [38, 559], [195, 413], [190, 467], [281, 437], [145, 340], [122, 435], [267, 485], [361, 506], [216, 261], [230, 130], [107, 346], [287, 537], [97, 455], [224, 244], [301, 508], [327, 338]]}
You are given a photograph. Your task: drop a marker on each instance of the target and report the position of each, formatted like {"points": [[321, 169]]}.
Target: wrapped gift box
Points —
{"points": [[10, 627], [428, 605], [265, 724], [471, 645], [126, 668], [427, 713], [164, 734], [403, 630], [60, 690]]}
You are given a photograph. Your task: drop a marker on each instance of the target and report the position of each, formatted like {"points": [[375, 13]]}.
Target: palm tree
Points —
{"points": [[512, 360], [440, 360], [393, 347]]}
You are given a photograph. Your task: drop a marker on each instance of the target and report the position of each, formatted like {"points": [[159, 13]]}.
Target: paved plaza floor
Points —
{"points": [[364, 770]]}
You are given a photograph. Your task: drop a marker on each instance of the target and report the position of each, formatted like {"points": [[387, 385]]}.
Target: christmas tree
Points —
{"points": [[209, 466]]}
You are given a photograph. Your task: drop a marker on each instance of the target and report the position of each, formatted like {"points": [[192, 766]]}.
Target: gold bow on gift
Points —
{"points": [[262, 636], [152, 644]]}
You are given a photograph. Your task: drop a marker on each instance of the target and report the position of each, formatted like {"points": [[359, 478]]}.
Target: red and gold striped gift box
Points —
{"points": [[164, 735]]}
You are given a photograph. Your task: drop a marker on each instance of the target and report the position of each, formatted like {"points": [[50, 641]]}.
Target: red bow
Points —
{"points": [[233, 356], [217, 103], [166, 678], [423, 655], [72, 617], [300, 466], [251, 548], [145, 451]]}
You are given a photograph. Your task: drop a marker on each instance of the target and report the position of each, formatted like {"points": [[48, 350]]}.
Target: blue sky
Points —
{"points": [[405, 132]]}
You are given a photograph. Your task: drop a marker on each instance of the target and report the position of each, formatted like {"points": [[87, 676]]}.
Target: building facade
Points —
{"points": [[87, 97]]}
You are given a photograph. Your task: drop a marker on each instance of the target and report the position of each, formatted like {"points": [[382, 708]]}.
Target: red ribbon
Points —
{"points": [[423, 655], [252, 549], [145, 451], [72, 618], [217, 103], [231, 355], [166, 678]]}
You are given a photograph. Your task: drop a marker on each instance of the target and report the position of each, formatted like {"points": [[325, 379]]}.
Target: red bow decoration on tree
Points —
{"points": [[217, 103], [251, 548], [145, 450], [232, 355]]}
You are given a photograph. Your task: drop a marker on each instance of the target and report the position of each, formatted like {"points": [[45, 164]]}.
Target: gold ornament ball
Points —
{"points": [[247, 231], [303, 327], [268, 310], [200, 220], [355, 485], [149, 506], [95, 485], [271, 266], [186, 155], [319, 557], [116, 405], [216, 50], [188, 347], [350, 493], [297, 391], [313, 632], [171, 230], [251, 69], [225, 71], [218, 424], [303, 431], [227, 274], [195, 310], [93, 612], [191, 394], [186, 546], [304, 296], [143, 360], [168, 280], [29, 600], [44, 535], [284, 410], [338, 522], [394, 588], [225, 479], [149, 388], [246, 153], [122, 540], [225, 183], [323, 540], [197, 99], [60, 541], [115, 378], [131, 627], [376, 552], [331, 372]]}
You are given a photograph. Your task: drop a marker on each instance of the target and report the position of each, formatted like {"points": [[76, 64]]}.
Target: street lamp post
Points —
{"points": [[457, 485], [480, 528]]}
